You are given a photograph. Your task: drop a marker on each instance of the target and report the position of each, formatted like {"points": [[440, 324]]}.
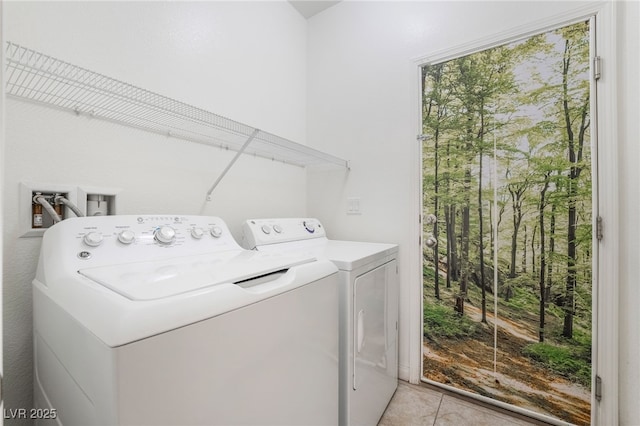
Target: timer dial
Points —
{"points": [[165, 235], [309, 226]]}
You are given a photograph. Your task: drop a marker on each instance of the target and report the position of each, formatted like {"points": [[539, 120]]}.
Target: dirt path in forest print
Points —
{"points": [[468, 364]]}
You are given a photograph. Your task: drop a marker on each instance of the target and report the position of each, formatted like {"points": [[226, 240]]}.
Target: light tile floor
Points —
{"points": [[414, 405]]}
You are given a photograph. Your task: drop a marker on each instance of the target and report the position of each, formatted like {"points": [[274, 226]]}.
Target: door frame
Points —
{"points": [[2, 145], [605, 340]]}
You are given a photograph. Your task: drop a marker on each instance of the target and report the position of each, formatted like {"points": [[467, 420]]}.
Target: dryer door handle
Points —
{"points": [[360, 328]]}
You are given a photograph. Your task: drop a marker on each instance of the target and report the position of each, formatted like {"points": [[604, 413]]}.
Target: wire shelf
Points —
{"points": [[37, 77]]}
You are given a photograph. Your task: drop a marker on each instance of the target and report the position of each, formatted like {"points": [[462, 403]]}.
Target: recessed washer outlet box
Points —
{"points": [[28, 191]]}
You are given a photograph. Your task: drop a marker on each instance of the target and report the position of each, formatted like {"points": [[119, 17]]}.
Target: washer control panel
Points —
{"points": [[130, 238], [257, 232]]}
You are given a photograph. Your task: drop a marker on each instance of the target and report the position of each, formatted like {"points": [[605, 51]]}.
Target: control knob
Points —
{"points": [[216, 232], [309, 226], [266, 229], [277, 228], [197, 233], [93, 239], [165, 235], [127, 236]]}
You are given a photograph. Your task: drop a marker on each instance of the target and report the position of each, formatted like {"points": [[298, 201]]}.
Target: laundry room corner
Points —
{"points": [[215, 55], [212, 130]]}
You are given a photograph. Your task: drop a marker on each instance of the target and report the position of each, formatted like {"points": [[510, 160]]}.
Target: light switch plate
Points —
{"points": [[354, 205]]}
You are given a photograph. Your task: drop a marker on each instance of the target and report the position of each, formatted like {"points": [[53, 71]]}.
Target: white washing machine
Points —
{"points": [[167, 320], [368, 309]]}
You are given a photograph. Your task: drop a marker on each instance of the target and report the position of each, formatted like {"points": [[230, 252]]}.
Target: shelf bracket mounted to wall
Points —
{"points": [[232, 162], [37, 77]]}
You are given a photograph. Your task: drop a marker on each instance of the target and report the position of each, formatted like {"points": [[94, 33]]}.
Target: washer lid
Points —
{"points": [[169, 277]]}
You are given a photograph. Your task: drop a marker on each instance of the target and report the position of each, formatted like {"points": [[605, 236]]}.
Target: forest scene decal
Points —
{"points": [[507, 178]]}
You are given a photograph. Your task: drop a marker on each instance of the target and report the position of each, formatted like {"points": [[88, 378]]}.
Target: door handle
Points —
{"points": [[360, 334]]}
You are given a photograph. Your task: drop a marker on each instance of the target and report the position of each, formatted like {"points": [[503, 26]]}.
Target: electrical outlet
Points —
{"points": [[34, 225], [96, 201]]}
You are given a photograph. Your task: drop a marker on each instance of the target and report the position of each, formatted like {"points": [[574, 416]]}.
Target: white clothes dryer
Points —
{"points": [[166, 320], [368, 308]]}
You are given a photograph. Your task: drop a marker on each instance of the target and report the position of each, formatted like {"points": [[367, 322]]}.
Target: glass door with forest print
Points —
{"points": [[507, 200]]}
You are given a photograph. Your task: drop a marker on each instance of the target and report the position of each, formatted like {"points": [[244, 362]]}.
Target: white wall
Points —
{"points": [[243, 60], [362, 106]]}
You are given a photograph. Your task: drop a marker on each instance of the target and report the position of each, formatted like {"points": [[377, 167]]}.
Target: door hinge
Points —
{"points": [[420, 240], [598, 389], [597, 69], [599, 226]]}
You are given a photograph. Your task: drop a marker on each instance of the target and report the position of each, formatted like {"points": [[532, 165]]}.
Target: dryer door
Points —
{"points": [[375, 345]]}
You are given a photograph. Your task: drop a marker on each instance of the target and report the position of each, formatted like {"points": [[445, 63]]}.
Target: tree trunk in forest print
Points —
{"points": [[507, 171]]}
